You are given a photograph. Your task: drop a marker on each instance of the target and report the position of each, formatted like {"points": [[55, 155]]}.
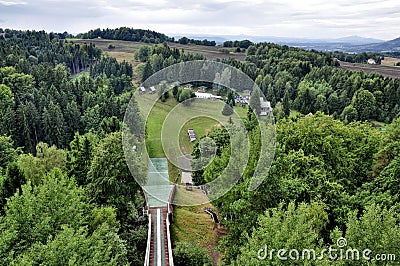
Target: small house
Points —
{"points": [[152, 90], [371, 61], [202, 88], [189, 86], [142, 90], [265, 107]]}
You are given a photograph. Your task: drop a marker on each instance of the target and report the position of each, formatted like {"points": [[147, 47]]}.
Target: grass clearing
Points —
{"points": [[175, 119], [124, 50], [201, 125], [202, 114], [155, 122]]}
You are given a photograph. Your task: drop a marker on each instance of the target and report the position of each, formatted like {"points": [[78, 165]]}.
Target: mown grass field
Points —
{"points": [[154, 123], [174, 120], [201, 125]]}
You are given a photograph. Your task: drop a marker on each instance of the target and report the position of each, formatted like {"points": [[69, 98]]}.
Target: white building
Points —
{"points": [[203, 95], [265, 107], [371, 61]]}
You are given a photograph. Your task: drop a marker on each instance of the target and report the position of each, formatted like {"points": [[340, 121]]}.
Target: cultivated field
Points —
{"points": [[386, 71], [390, 61]]}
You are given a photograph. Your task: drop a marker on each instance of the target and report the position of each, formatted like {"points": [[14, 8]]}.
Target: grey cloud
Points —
{"points": [[281, 17]]}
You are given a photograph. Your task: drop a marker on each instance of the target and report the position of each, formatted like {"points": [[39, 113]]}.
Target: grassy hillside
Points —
{"points": [[124, 50]]}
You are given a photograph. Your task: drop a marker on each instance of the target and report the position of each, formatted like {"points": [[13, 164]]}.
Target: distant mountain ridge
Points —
{"points": [[389, 46], [351, 40], [354, 44]]}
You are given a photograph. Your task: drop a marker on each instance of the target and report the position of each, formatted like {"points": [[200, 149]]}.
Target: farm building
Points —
{"points": [[202, 88], [371, 61], [265, 107], [188, 86], [192, 135], [202, 95], [142, 90], [152, 90]]}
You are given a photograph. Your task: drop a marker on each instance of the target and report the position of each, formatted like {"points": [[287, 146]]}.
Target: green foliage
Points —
{"points": [[361, 58], [251, 50], [49, 104], [286, 103], [46, 159], [376, 229], [31, 217], [147, 71], [280, 228], [80, 156], [142, 53], [7, 152], [227, 110], [255, 103], [54, 125], [76, 247], [110, 183], [109, 179], [47, 224], [317, 159], [126, 34], [349, 114], [184, 96], [110, 125], [278, 111], [10, 183], [364, 102], [186, 253], [7, 105]]}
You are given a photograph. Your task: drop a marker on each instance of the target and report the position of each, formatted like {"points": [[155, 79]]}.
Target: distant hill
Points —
{"points": [[219, 39], [357, 40], [355, 44], [389, 46]]}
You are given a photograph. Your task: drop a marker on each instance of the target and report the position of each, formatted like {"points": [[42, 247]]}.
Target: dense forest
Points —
{"points": [[67, 196], [61, 105], [328, 180], [126, 34], [306, 81], [361, 58], [309, 81]]}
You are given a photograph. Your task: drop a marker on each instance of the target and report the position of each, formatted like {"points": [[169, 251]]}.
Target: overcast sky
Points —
{"points": [[282, 18]]}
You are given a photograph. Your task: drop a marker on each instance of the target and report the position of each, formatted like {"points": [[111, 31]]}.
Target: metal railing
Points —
{"points": [[147, 258], [170, 259]]}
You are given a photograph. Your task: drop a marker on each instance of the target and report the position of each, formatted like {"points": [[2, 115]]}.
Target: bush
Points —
{"points": [[190, 254], [227, 110]]}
